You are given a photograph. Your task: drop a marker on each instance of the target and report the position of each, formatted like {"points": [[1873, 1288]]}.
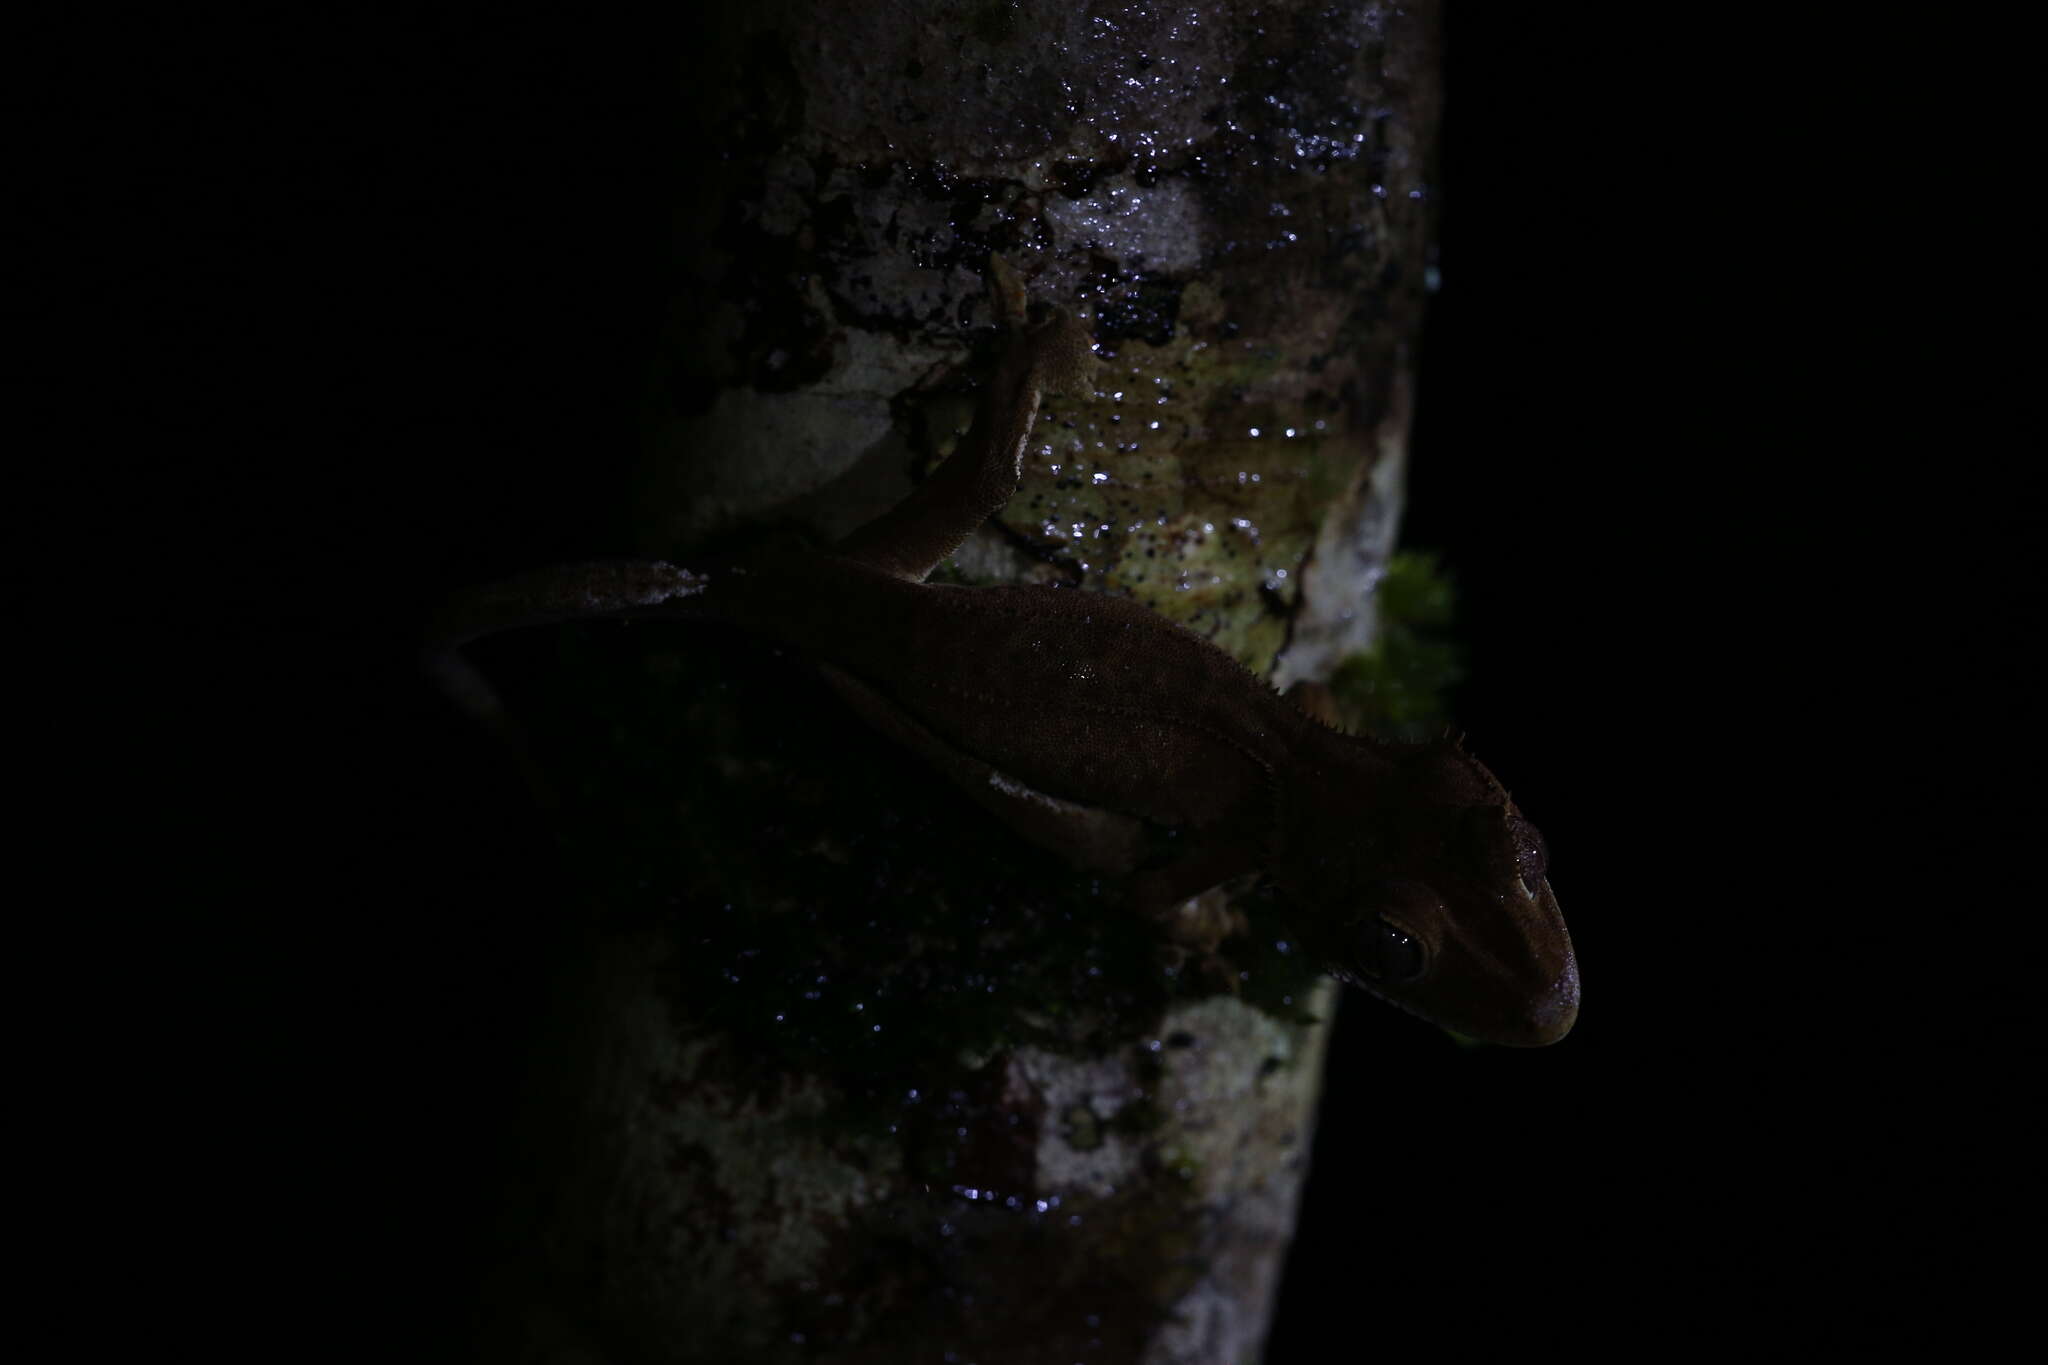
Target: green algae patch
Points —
{"points": [[1192, 479]]}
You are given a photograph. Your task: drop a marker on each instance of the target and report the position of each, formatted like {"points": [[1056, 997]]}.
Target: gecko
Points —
{"points": [[1088, 722]]}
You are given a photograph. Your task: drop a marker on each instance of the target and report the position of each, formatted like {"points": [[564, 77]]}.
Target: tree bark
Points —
{"points": [[845, 1073]]}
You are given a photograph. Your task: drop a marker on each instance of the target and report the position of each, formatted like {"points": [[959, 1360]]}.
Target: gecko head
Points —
{"points": [[1415, 877]]}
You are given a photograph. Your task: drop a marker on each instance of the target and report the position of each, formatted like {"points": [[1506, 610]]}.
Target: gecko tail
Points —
{"points": [[617, 590], [471, 693], [640, 589]]}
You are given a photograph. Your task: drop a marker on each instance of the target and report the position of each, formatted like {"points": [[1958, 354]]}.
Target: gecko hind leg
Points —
{"points": [[1192, 926], [972, 484], [1088, 838]]}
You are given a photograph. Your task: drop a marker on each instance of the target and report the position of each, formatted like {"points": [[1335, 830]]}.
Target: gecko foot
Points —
{"points": [[1194, 929]]}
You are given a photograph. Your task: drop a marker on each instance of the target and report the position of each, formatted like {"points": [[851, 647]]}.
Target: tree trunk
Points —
{"points": [[847, 1073]]}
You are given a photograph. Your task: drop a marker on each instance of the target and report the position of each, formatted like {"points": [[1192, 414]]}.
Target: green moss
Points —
{"points": [[1397, 689], [1416, 592]]}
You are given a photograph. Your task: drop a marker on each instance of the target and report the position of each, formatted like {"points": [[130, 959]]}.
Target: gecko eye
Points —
{"points": [[1532, 856], [1388, 953], [1383, 950]]}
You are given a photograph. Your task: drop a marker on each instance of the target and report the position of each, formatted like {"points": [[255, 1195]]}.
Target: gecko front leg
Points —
{"points": [[926, 528], [971, 485]]}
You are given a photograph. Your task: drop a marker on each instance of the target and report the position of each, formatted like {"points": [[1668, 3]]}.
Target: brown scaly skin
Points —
{"points": [[1080, 718]]}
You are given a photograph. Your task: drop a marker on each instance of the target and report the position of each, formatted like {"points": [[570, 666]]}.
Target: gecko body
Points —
{"points": [[1085, 721]]}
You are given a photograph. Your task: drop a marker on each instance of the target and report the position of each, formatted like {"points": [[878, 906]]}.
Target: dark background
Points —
{"points": [[1726, 634], [391, 277], [1579, 453]]}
